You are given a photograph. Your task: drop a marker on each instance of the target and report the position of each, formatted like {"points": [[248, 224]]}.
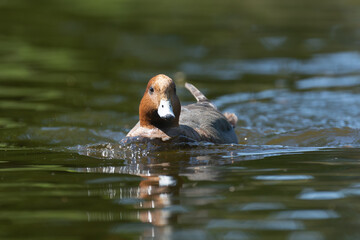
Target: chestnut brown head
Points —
{"points": [[160, 106]]}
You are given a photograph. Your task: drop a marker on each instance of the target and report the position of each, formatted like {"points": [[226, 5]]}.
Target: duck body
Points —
{"points": [[210, 124], [162, 117]]}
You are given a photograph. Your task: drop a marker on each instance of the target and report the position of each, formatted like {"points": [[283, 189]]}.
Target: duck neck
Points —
{"points": [[155, 121], [158, 123], [163, 124]]}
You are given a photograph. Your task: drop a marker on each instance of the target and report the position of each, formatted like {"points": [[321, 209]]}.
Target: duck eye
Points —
{"points": [[151, 89]]}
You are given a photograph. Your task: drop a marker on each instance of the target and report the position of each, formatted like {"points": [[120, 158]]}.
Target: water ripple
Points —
{"points": [[258, 206], [326, 82], [283, 177], [256, 224], [320, 195], [331, 63], [307, 214]]}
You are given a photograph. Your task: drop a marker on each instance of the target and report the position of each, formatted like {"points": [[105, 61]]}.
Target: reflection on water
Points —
{"points": [[185, 193], [152, 198], [175, 188], [162, 178]]}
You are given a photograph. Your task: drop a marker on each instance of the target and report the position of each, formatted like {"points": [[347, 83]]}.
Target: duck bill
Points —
{"points": [[165, 110]]}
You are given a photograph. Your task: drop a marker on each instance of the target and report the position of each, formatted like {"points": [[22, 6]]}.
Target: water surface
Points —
{"points": [[71, 77]]}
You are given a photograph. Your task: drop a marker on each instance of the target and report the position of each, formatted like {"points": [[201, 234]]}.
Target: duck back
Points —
{"points": [[211, 124]]}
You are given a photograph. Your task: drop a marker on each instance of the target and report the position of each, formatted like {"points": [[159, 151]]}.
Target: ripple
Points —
{"points": [[113, 180], [320, 195], [307, 214], [130, 228], [319, 64], [256, 224], [237, 235], [351, 192], [6, 123], [190, 234], [326, 82], [283, 177], [300, 119], [259, 206], [308, 235], [271, 43], [128, 201]]}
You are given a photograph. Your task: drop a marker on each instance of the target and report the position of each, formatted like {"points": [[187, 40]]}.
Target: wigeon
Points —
{"points": [[162, 117]]}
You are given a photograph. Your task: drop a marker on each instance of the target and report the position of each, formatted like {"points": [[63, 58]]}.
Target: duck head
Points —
{"points": [[160, 106]]}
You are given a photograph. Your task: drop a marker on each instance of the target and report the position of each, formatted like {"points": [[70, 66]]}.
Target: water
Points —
{"points": [[71, 77]]}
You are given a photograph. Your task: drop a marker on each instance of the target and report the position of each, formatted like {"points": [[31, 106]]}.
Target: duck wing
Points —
{"points": [[201, 98]]}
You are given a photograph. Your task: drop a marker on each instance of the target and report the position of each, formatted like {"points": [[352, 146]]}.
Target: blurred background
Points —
{"points": [[73, 72]]}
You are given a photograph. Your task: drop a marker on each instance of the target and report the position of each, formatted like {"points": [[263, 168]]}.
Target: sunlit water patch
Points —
{"points": [[308, 194], [328, 82], [283, 177], [307, 214], [283, 117]]}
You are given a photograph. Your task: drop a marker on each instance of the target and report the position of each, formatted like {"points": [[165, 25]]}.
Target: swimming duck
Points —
{"points": [[162, 117]]}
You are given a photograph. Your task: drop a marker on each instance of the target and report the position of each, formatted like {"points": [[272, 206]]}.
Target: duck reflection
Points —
{"points": [[151, 197], [161, 175], [154, 199]]}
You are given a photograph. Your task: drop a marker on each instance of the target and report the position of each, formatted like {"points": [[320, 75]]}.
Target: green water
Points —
{"points": [[71, 77]]}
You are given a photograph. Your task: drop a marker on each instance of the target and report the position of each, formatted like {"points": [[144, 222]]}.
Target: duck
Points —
{"points": [[161, 116]]}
